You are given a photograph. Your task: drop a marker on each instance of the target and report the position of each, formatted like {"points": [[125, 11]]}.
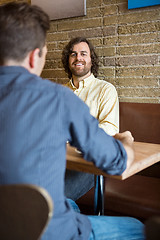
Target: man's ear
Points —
{"points": [[34, 54]]}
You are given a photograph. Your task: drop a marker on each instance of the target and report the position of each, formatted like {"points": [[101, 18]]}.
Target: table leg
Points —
{"points": [[99, 195]]}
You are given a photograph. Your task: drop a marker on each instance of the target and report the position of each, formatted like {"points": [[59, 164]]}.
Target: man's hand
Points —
{"points": [[127, 140]]}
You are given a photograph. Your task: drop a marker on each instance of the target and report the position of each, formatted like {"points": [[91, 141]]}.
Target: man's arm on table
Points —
{"points": [[109, 110], [127, 140], [106, 152]]}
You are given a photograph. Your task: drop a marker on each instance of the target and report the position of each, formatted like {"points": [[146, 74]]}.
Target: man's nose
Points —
{"points": [[79, 57]]}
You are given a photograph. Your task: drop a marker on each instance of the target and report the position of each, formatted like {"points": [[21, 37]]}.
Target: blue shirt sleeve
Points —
{"points": [[104, 151]]}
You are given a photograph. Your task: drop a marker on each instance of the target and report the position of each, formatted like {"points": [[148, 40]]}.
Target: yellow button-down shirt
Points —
{"points": [[102, 99]]}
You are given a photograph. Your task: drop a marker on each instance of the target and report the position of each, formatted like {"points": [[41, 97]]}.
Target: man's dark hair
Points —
{"points": [[23, 28], [68, 50]]}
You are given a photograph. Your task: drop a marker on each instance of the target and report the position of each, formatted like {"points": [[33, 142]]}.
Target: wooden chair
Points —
{"points": [[152, 228], [25, 211]]}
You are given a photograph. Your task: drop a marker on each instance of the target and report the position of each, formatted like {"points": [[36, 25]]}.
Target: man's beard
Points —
{"points": [[80, 72]]}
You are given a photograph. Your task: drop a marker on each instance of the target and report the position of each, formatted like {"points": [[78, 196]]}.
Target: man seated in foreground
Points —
{"points": [[81, 63], [38, 117]]}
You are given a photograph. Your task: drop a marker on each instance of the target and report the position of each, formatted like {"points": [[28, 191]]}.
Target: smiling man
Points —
{"points": [[80, 62]]}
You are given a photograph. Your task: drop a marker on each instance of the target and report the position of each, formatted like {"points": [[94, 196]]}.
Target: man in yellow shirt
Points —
{"points": [[81, 64]]}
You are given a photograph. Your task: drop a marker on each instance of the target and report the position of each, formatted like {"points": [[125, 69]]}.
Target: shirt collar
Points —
{"points": [[83, 83], [12, 69]]}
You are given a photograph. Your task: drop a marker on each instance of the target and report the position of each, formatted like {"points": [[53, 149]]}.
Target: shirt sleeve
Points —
{"points": [[108, 115], [104, 151]]}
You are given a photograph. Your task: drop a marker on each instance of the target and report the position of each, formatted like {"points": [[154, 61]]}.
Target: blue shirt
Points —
{"points": [[37, 117]]}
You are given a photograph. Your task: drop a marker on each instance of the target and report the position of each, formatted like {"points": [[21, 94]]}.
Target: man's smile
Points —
{"points": [[78, 64]]}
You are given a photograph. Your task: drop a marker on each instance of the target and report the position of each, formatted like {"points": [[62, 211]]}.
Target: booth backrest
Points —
{"points": [[142, 119], [139, 195]]}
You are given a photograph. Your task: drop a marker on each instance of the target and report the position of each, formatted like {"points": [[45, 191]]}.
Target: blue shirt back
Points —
{"points": [[37, 117]]}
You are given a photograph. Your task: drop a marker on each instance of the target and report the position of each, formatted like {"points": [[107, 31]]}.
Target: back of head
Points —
{"points": [[23, 28]]}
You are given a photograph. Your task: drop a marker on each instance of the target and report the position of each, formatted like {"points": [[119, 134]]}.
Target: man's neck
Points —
{"points": [[14, 63], [77, 79]]}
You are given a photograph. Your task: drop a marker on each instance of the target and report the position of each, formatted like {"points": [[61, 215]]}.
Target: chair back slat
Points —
{"points": [[25, 211]]}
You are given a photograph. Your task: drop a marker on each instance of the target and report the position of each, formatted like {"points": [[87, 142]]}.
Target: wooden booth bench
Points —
{"points": [[139, 195]]}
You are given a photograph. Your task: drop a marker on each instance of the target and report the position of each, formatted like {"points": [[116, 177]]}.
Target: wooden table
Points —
{"points": [[146, 154]]}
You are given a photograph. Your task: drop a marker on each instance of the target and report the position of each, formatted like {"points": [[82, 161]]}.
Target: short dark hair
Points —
{"points": [[23, 28], [68, 49]]}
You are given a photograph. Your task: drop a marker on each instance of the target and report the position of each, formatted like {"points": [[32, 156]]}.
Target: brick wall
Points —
{"points": [[127, 43]]}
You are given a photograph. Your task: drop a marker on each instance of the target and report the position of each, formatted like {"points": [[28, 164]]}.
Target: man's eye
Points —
{"points": [[73, 54], [84, 54]]}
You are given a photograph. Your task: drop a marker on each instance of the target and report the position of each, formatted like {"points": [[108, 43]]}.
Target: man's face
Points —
{"points": [[80, 60]]}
